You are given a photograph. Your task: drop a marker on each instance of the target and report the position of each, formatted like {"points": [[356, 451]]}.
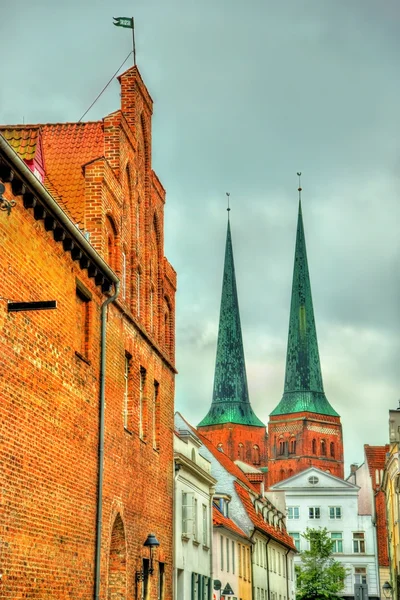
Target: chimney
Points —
{"points": [[353, 468]]}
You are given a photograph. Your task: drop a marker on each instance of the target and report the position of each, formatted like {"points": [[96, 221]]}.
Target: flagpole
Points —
{"points": [[133, 42]]}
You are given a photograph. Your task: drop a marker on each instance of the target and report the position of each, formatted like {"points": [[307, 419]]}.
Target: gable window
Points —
{"points": [[337, 539], [358, 542], [293, 512], [314, 512], [335, 512]]}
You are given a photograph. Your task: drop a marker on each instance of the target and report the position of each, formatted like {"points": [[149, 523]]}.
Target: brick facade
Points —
{"points": [[301, 440], [240, 442], [100, 173]]}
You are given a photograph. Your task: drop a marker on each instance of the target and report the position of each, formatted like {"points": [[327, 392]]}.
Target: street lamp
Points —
{"points": [[151, 542], [387, 589]]}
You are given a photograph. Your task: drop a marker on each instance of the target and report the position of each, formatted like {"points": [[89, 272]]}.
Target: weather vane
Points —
{"points": [[228, 209], [299, 188]]}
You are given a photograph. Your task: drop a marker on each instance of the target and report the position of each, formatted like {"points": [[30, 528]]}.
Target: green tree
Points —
{"points": [[319, 576]]}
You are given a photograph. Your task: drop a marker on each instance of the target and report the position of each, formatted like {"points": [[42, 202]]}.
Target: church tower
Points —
{"points": [[231, 424], [304, 430]]}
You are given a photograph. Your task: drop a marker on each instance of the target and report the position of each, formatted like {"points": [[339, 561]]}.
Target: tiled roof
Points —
{"points": [[376, 456], [273, 532], [23, 139], [220, 521], [67, 147], [226, 462]]}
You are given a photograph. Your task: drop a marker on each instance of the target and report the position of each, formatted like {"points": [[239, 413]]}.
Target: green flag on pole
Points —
{"points": [[123, 22]]}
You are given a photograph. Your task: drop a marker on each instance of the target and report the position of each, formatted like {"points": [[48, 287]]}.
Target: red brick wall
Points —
{"points": [[239, 442], [49, 413], [305, 429]]}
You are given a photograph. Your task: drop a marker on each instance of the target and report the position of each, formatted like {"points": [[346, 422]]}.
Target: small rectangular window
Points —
{"points": [[221, 540], [359, 543], [335, 512], [314, 512], [233, 557], [293, 512], [196, 521], [296, 539], [337, 539]]}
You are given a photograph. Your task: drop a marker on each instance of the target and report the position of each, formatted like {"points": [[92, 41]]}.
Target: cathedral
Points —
{"points": [[304, 430]]}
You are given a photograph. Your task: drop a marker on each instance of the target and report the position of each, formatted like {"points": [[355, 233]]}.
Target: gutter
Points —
{"points": [[101, 437]]}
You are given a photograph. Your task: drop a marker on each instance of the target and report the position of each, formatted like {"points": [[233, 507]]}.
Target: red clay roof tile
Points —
{"points": [[276, 534], [220, 521]]}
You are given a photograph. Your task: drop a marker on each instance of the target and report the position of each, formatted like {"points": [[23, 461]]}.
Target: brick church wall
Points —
{"points": [[50, 380]]}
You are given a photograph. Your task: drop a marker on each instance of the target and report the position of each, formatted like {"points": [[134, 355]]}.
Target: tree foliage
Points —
{"points": [[319, 576]]}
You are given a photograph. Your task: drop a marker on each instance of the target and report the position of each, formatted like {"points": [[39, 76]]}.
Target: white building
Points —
{"points": [[316, 499], [194, 488]]}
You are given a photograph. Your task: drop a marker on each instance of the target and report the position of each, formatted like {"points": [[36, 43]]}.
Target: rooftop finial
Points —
{"points": [[299, 188], [228, 209]]}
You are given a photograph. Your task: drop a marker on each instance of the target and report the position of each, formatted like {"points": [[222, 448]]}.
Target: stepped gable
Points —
{"points": [[220, 521], [376, 458], [280, 536]]}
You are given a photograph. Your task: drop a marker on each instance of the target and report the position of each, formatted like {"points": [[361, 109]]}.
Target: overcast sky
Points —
{"points": [[246, 94]]}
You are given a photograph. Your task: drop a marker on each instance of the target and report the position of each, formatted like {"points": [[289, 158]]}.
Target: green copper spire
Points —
{"points": [[230, 403], [304, 390]]}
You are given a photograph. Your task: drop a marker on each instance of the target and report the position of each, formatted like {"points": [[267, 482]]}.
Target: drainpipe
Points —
{"points": [[268, 590], [101, 436], [211, 533], [287, 574]]}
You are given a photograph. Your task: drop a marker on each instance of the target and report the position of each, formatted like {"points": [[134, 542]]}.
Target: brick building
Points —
{"points": [[86, 418], [304, 429], [231, 424]]}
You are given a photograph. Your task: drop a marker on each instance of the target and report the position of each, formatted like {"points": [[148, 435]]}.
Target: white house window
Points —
{"points": [[293, 512], [205, 525], [233, 557], [360, 575], [187, 513], [296, 539], [314, 512], [221, 540], [337, 539], [358, 542], [313, 480], [335, 512]]}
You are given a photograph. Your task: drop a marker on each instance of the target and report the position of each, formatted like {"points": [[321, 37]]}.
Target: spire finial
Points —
{"points": [[228, 209], [299, 188]]}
